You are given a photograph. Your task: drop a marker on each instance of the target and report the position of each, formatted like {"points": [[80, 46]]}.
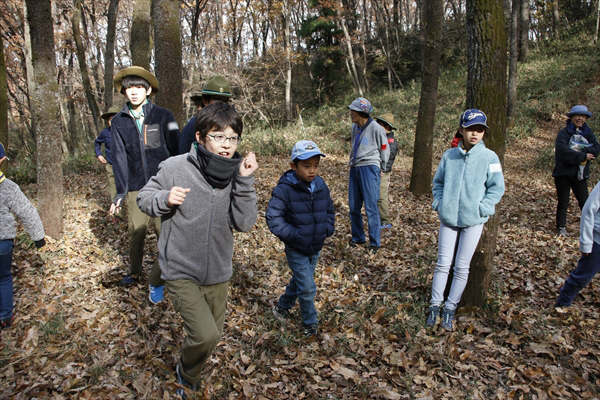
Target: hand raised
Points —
{"points": [[176, 196], [248, 165]]}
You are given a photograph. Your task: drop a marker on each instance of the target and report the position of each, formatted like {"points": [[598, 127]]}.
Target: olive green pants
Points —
{"points": [[138, 225], [112, 188], [384, 203], [202, 309]]}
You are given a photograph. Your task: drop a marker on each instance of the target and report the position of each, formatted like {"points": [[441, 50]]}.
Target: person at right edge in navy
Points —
{"points": [[569, 161]]}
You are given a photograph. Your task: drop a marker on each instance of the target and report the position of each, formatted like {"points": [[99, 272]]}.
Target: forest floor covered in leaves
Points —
{"points": [[77, 334]]}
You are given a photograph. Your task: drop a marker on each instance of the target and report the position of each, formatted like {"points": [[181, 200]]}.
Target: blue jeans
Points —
{"points": [[587, 267], [6, 282], [364, 187], [302, 285]]}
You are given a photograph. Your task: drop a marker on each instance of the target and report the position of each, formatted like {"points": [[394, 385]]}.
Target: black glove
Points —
{"points": [[40, 243]]}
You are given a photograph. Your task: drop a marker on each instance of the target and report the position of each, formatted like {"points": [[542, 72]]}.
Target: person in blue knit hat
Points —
{"points": [[466, 188], [576, 146]]}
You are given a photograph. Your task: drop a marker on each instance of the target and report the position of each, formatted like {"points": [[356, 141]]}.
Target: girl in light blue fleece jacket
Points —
{"points": [[466, 187], [589, 245]]}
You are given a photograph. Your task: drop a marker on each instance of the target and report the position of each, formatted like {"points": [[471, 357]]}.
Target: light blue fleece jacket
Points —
{"points": [[589, 228], [467, 186]]}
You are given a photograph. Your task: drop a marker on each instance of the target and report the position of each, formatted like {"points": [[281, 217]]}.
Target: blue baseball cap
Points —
{"points": [[472, 117], [579, 110], [305, 149], [2, 153], [361, 105]]}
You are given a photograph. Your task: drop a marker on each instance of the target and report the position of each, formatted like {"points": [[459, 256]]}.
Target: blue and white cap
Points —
{"points": [[472, 117], [361, 105], [305, 149], [579, 110]]}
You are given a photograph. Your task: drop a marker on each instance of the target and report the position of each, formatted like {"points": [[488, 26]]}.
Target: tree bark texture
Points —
{"points": [[486, 90], [30, 78], [46, 103], [109, 54], [140, 34], [432, 21], [3, 99], [168, 53], [513, 53], [524, 31], [351, 63], [288, 63], [83, 68]]}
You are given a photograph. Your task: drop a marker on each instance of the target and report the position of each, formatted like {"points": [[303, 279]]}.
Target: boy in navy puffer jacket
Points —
{"points": [[301, 214]]}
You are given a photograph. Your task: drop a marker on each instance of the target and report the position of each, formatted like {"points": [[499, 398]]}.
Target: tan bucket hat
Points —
{"points": [[136, 71], [111, 111], [388, 119]]}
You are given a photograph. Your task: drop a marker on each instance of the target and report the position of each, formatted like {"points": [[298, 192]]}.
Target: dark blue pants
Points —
{"points": [[587, 267], [302, 285], [363, 187], [6, 279]]}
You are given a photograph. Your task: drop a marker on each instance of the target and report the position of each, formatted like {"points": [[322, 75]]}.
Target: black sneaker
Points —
{"points": [[128, 280], [432, 313], [311, 330], [181, 380], [281, 313], [373, 249], [6, 322], [447, 318]]}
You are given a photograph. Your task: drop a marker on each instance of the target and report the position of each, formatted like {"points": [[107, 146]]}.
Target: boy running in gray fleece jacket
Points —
{"points": [[201, 197]]}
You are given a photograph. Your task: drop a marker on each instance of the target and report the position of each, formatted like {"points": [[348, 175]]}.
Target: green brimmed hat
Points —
{"points": [[136, 71], [111, 111], [216, 86], [388, 119]]}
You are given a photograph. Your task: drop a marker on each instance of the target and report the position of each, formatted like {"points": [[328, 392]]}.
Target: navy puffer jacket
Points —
{"points": [[299, 218]]}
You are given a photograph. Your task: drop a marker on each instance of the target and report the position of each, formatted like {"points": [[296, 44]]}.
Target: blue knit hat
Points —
{"points": [[579, 110]]}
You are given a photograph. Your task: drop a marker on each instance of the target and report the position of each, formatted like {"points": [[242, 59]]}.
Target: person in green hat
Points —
{"points": [[215, 89], [387, 122], [142, 136], [104, 137]]}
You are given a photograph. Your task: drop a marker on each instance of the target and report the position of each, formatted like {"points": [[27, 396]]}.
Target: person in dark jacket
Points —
{"points": [[104, 137], [142, 136], [387, 122], [215, 89], [576, 146], [301, 214]]}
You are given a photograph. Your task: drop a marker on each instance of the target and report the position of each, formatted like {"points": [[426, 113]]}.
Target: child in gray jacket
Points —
{"points": [[201, 197], [13, 201]]}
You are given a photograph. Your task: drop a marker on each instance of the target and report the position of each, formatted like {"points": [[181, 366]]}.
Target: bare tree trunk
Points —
{"points": [[352, 64], [524, 31], [3, 99], [486, 90], [432, 20], [83, 69], [512, 67], [597, 21], [220, 32], [288, 62], [30, 77], [555, 20], [168, 55], [46, 102], [109, 53], [140, 34]]}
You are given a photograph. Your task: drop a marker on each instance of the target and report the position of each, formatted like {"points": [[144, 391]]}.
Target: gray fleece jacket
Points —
{"points": [[372, 147], [12, 200], [196, 240]]}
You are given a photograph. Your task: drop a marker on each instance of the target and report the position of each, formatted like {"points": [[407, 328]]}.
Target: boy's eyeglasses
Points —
{"points": [[223, 138]]}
